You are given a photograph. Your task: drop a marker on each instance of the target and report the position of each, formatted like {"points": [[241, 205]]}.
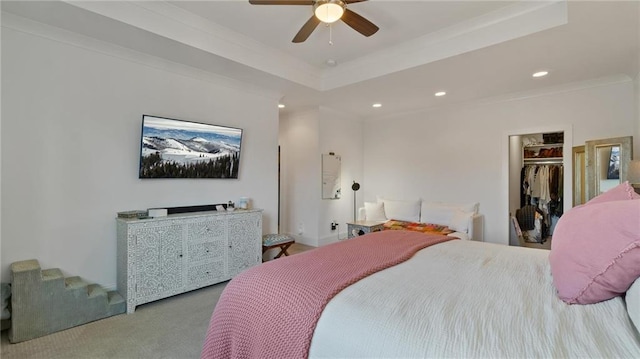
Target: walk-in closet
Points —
{"points": [[536, 181]]}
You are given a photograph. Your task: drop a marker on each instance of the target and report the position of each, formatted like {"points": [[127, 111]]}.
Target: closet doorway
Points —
{"points": [[540, 175]]}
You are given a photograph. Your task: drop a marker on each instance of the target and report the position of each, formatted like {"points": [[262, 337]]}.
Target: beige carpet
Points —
{"points": [[169, 328], [174, 327]]}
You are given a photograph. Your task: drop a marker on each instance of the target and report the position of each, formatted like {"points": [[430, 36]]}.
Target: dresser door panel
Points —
{"points": [[158, 267]]}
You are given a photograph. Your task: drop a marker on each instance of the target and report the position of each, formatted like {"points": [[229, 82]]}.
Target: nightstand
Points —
{"points": [[359, 228]]}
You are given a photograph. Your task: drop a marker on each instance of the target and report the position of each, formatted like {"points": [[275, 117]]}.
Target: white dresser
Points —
{"points": [[161, 257]]}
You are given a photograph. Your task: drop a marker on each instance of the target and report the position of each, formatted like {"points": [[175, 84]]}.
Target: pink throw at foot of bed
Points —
{"points": [[270, 311]]}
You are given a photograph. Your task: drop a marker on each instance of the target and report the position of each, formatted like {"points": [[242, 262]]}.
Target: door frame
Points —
{"points": [[567, 161]]}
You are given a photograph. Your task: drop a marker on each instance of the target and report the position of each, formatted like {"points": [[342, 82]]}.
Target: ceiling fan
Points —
{"points": [[327, 11]]}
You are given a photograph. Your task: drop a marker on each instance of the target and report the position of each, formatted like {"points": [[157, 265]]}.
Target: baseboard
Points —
{"points": [[331, 238]]}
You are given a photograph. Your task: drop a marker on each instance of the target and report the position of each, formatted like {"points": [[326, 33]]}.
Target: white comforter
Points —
{"points": [[470, 299]]}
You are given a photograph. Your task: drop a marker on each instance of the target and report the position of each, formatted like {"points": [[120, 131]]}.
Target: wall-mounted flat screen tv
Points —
{"points": [[172, 148]]}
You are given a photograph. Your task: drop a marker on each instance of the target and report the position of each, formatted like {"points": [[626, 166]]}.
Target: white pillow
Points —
{"points": [[402, 210], [465, 207], [443, 213], [436, 213], [374, 211], [632, 300], [463, 236], [460, 221]]}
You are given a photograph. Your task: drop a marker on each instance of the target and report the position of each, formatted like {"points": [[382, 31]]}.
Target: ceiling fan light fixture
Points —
{"points": [[329, 11]]}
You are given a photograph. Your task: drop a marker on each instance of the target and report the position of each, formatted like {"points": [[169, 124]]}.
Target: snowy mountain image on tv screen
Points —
{"points": [[183, 149]]}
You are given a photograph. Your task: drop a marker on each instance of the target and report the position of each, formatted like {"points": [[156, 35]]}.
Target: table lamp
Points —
{"points": [[355, 187]]}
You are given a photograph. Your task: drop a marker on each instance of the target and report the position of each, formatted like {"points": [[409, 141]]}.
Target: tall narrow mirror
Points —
{"points": [[331, 164], [607, 162]]}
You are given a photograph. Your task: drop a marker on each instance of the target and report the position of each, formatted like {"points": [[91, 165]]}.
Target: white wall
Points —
{"points": [[300, 176], [1, 268], [455, 154], [71, 115], [515, 164], [304, 137], [341, 134], [636, 135]]}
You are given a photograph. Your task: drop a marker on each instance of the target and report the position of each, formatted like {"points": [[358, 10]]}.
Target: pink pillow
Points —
{"points": [[618, 193], [595, 251]]}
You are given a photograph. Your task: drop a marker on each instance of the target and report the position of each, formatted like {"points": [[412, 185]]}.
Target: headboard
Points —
{"points": [[464, 219]]}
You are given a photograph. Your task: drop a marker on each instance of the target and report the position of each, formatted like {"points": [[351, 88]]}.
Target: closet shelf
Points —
{"points": [[547, 160], [543, 145]]}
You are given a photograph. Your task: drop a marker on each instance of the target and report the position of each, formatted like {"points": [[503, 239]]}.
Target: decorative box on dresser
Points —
{"points": [[165, 256]]}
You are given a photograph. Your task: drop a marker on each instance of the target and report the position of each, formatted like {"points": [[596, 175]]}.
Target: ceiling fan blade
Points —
{"points": [[358, 23], [352, 1], [281, 2], [306, 29]]}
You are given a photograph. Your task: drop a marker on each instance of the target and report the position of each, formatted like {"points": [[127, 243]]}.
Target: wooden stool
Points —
{"points": [[282, 241]]}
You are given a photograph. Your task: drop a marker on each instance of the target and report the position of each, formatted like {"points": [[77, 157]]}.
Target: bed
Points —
{"points": [[478, 300], [437, 297]]}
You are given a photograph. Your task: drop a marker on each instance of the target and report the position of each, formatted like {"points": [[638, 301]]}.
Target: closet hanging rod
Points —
{"points": [[542, 161]]}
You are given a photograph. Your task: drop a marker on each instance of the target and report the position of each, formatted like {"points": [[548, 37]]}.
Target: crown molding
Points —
{"points": [[163, 19], [170, 22], [516, 96], [52, 33], [504, 24]]}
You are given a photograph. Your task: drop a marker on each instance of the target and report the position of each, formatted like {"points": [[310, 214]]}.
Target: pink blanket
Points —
{"points": [[270, 311]]}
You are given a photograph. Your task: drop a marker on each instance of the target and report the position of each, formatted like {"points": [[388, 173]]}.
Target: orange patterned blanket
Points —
{"points": [[417, 227]]}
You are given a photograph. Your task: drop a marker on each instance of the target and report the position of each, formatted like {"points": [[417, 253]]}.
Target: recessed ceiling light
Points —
{"points": [[441, 93], [280, 105], [376, 105], [540, 74]]}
